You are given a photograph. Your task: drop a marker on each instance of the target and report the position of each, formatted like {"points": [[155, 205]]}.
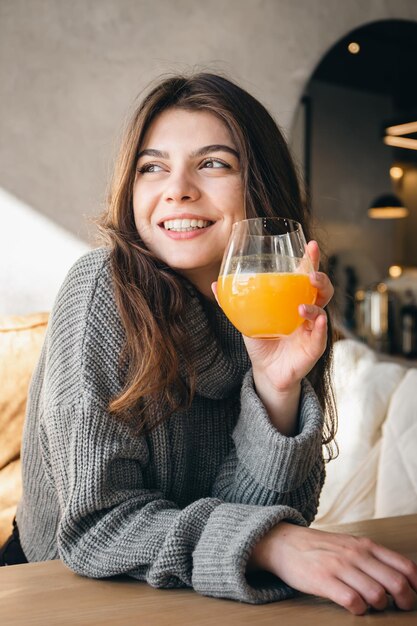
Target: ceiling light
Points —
{"points": [[396, 172], [354, 47], [387, 206], [395, 271], [402, 129], [400, 142]]}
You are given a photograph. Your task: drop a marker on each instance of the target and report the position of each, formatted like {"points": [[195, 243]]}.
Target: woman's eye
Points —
{"points": [[149, 167], [215, 164]]}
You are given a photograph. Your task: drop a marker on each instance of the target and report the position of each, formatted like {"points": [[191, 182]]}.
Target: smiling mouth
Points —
{"points": [[185, 225]]}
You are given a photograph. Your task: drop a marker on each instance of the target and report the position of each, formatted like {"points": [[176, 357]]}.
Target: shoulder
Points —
{"points": [[85, 333], [85, 272], [88, 279]]}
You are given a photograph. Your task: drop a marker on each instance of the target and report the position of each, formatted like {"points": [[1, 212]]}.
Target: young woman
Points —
{"points": [[159, 442]]}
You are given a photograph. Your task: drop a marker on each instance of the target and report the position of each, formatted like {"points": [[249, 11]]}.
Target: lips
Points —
{"points": [[185, 224]]}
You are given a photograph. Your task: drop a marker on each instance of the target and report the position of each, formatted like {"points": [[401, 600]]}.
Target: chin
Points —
{"points": [[186, 267], [194, 267]]}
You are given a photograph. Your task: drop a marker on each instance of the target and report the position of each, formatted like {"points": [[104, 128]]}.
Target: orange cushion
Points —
{"points": [[21, 339], [10, 490]]}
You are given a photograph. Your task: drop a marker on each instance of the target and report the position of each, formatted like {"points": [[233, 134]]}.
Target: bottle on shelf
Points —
{"points": [[374, 307], [408, 319]]}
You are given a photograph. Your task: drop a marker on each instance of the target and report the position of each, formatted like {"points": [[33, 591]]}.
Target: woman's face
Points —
{"points": [[188, 192]]}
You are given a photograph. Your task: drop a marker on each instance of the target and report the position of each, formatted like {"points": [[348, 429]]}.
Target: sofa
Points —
{"points": [[375, 474], [21, 339]]}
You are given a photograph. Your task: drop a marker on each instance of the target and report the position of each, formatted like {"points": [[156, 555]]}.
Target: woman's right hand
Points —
{"points": [[354, 572]]}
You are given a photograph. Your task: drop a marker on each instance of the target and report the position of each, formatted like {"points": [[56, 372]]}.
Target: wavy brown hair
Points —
{"points": [[150, 296]]}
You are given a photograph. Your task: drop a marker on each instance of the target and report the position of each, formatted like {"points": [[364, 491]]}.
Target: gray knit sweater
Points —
{"points": [[182, 506]]}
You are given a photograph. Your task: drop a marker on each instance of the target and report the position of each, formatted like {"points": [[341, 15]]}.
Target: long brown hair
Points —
{"points": [[150, 295]]}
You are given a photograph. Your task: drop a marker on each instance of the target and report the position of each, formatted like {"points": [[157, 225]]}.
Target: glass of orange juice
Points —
{"points": [[264, 277]]}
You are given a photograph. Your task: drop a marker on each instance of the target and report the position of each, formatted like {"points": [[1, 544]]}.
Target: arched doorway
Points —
{"points": [[366, 83]]}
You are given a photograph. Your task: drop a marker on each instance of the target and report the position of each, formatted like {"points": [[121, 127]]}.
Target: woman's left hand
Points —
{"points": [[279, 365], [285, 361]]}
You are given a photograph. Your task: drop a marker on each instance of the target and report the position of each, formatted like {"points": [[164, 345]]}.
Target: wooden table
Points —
{"points": [[50, 594]]}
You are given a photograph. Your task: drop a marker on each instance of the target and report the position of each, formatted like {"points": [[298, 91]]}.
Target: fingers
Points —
{"points": [[313, 252], [320, 280], [325, 289], [373, 577], [392, 581], [407, 567], [214, 290], [370, 591], [358, 580], [311, 313], [396, 573], [344, 595], [316, 322], [356, 592]]}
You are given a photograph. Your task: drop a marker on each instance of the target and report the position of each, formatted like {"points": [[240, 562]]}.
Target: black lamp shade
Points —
{"points": [[387, 206]]}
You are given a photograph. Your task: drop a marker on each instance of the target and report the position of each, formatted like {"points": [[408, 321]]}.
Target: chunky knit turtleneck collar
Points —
{"points": [[219, 352], [92, 326]]}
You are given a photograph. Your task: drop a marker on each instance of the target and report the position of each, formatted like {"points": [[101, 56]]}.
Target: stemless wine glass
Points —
{"points": [[264, 277]]}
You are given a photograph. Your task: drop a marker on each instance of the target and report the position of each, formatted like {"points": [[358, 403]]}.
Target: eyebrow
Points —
{"points": [[216, 147]]}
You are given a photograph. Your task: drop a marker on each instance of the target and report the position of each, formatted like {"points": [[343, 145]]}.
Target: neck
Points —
{"points": [[202, 279]]}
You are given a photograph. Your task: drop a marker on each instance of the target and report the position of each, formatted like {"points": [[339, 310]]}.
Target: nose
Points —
{"points": [[181, 188]]}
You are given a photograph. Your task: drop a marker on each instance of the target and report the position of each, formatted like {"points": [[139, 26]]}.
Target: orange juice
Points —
{"points": [[265, 304]]}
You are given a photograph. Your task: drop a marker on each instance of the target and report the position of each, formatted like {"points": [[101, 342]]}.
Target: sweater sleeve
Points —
{"points": [[111, 524], [267, 468]]}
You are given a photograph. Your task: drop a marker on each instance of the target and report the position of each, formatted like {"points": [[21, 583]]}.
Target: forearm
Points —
{"points": [[263, 555], [281, 406], [265, 467]]}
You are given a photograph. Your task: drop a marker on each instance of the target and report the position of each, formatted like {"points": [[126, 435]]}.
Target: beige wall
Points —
{"points": [[70, 70]]}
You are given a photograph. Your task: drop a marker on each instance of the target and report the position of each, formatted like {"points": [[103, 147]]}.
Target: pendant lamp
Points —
{"points": [[387, 206]]}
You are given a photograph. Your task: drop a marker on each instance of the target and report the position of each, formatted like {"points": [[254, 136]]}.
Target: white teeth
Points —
{"points": [[185, 224]]}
